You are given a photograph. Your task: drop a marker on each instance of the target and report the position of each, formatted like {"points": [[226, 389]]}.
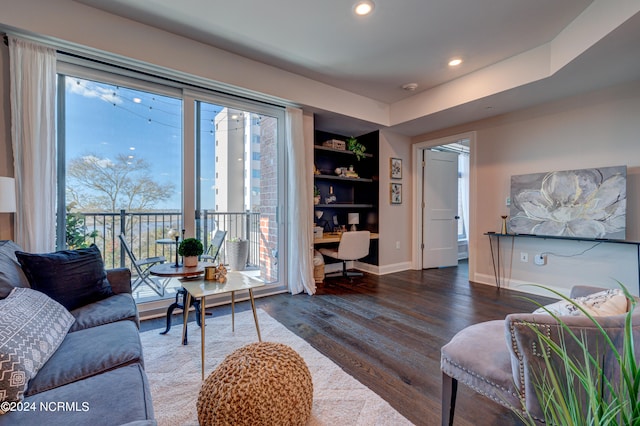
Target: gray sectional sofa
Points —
{"points": [[95, 376]]}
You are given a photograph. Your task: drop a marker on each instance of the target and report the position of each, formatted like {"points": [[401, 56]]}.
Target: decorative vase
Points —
{"points": [[238, 251], [504, 225], [190, 261]]}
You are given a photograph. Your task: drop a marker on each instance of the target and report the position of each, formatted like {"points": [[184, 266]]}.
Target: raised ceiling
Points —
{"points": [[408, 41]]}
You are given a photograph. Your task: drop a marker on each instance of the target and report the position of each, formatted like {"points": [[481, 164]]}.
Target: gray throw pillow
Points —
{"points": [[11, 274], [73, 278], [32, 327]]}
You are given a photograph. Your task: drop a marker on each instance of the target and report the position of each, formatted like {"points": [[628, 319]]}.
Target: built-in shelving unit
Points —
{"points": [[352, 194]]}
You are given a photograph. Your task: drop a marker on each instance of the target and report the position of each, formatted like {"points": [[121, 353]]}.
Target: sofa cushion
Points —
{"points": [[113, 398], [87, 353], [72, 277], [32, 327], [11, 274], [118, 307], [600, 304]]}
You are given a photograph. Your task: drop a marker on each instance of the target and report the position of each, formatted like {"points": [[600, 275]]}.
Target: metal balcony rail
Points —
{"points": [[144, 229]]}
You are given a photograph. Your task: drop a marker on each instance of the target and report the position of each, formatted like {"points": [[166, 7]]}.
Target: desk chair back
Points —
{"points": [[354, 245]]}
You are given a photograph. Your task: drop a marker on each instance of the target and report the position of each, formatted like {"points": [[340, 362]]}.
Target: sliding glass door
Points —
{"points": [[145, 157], [238, 180]]}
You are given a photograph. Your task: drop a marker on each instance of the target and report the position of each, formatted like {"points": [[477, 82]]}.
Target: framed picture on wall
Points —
{"points": [[396, 168], [396, 193]]}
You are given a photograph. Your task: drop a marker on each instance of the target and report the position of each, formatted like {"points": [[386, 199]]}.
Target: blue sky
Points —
{"points": [[106, 120]]}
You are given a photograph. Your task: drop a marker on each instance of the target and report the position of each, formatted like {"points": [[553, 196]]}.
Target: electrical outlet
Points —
{"points": [[524, 257], [397, 244], [540, 259]]}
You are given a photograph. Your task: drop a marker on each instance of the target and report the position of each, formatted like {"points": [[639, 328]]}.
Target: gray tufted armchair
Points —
{"points": [[499, 359]]}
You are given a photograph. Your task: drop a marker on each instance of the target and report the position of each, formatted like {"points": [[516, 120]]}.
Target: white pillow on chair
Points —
{"points": [[600, 304]]}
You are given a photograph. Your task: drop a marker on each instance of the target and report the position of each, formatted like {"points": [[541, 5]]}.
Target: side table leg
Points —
{"points": [[255, 315], [174, 305], [233, 321], [185, 314], [202, 326]]}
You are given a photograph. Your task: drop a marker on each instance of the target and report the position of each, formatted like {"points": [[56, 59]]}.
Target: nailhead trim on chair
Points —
{"points": [[483, 379], [519, 355]]}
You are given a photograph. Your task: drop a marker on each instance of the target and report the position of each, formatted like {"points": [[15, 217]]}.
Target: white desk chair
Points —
{"points": [[353, 245]]}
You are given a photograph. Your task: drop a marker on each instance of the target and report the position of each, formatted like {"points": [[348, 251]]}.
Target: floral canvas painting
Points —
{"points": [[586, 203]]}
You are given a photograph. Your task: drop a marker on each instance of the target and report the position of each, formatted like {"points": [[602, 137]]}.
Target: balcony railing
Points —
{"points": [[143, 229]]}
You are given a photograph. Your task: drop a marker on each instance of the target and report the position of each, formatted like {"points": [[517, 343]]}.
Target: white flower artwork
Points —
{"points": [[586, 203]]}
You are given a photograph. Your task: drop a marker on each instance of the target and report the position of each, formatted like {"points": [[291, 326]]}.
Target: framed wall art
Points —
{"points": [[396, 193], [396, 168], [584, 203]]}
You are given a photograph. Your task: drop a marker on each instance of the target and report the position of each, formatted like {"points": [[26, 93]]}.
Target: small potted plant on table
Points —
{"points": [[190, 249]]}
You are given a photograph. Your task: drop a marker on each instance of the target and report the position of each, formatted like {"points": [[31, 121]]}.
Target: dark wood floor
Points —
{"points": [[387, 331]]}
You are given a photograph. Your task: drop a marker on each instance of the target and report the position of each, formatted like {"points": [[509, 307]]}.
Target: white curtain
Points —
{"points": [[300, 205], [33, 90]]}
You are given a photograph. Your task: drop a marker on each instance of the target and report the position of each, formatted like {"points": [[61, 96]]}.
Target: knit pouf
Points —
{"points": [[258, 384]]}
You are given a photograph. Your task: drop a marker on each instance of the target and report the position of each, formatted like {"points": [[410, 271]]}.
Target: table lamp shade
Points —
{"points": [[353, 219], [7, 195]]}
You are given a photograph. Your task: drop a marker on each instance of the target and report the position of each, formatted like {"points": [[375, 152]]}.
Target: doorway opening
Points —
{"points": [[462, 149], [452, 231]]}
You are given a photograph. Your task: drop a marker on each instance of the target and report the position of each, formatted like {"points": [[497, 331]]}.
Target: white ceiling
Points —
{"points": [[406, 41]]}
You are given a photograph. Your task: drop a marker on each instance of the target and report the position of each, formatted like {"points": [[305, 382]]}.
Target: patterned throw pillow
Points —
{"points": [[601, 304], [32, 326]]}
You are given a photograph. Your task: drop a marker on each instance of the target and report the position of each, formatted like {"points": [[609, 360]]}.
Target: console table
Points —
{"points": [[495, 251]]}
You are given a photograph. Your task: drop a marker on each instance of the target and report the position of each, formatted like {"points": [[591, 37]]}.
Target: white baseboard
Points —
{"points": [[394, 267], [521, 286], [366, 267]]}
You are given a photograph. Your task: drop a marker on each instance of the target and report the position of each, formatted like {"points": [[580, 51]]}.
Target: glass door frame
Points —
{"points": [[191, 192]]}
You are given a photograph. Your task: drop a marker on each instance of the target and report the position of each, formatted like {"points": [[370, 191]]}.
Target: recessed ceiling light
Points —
{"points": [[410, 87], [137, 100], [364, 7], [455, 62]]}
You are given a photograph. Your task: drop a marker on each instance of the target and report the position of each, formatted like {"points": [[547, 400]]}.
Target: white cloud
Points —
{"points": [[90, 89], [100, 162]]}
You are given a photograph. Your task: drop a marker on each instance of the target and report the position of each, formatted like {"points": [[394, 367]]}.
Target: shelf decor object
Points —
{"points": [[504, 225], [353, 219], [396, 168], [396, 193]]}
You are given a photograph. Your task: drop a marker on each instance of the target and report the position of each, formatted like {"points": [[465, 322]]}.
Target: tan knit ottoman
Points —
{"points": [[259, 384]]}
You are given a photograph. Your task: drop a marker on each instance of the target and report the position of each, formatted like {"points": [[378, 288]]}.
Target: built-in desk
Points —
{"points": [[334, 237]]}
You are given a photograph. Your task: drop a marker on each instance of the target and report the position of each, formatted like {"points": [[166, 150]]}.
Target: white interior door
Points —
{"points": [[440, 209]]}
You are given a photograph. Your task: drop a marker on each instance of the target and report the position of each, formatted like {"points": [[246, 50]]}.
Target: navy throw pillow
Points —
{"points": [[73, 278]]}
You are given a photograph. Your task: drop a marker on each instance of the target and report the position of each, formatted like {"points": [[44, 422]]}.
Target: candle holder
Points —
{"points": [[177, 265], [504, 225]]}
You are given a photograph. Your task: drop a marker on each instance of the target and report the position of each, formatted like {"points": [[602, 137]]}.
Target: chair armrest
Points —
{"points": [[584, 290], [527, 351], [120, 280], [151, 260]]}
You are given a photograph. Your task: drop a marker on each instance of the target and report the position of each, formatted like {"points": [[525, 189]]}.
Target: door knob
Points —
{"points": [[456, 217]]}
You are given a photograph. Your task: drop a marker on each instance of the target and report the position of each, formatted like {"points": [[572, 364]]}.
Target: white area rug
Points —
{"points": [[174, 373]]}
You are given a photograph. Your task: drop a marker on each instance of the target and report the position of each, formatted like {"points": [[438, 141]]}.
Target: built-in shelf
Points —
{"points": [[344, 206], [359, 195], [336, 177], [341, 151]]}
